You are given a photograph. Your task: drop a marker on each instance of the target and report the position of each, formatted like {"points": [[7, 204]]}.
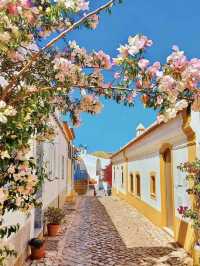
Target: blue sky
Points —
{"points": [[166, 23]]}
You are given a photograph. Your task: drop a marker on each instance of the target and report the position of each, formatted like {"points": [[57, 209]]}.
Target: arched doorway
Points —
{"points": [[169, 189]]}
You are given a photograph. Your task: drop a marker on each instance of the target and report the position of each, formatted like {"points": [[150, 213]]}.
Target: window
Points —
{"points": [[122, 176], [131, 183], [153, 186], [138, 189]]}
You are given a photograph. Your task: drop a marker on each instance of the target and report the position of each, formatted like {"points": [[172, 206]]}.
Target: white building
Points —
{"points": [[145, 174], [54, 192], [94, 165]]}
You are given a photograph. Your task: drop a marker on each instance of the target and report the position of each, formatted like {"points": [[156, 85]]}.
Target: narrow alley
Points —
{"points": [[107, 231]]}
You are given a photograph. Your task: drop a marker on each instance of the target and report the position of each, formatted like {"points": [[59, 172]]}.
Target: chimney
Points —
{"points": [[140, 129]]}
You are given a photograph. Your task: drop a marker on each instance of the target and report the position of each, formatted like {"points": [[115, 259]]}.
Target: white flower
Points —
{"points": [[3, 81], [3, 196], [10, 111], [5, 37], [180, 105], [3, 118], [11, 169], [2, 104], [171, 113], [69, 4], [4, 154], [73, 45]]}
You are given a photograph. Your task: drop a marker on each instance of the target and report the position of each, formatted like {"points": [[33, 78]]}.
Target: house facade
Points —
{"points": [[107, 174], [145, 174], [95, 166], [58, 160]]}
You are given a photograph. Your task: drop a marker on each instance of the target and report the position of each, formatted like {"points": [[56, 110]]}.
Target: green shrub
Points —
{"points": [[54, 215]]}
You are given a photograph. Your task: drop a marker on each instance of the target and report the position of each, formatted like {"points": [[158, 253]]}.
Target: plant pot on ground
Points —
{"points": [[37, 248], [54, 217]]}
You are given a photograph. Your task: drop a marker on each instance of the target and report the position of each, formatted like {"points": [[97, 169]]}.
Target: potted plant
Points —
{"points": [[37, 248], [54, 217]]}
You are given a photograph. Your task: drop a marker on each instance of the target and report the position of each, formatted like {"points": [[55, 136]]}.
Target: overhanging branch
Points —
{"points": [[8, 89]]}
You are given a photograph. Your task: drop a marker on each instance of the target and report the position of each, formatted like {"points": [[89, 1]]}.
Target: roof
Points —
{"points": [[66, 130], [152, 127], [69, 131]]}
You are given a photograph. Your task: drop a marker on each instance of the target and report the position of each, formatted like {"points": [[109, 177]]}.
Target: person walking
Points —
{"points": [[105, 186]]}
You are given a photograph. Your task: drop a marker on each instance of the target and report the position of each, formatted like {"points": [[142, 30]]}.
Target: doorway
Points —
{"points": [[169, 189]]}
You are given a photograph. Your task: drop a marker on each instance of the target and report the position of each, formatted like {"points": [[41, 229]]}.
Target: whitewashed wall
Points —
{"points": [[90, 163], [144, 166], [55, 156], [143, 157], [180, 155], [117, 183]]}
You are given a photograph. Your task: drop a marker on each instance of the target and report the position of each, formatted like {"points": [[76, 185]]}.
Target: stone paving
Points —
{"points": [[105, 231]]}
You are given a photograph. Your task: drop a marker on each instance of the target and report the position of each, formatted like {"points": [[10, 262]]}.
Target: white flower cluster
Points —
{"points": [[6, 110], [76, 5]]}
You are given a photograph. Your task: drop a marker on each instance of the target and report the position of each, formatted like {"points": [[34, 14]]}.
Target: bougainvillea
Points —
{"points": [[34, 83], [192, 170], [170, 87]]}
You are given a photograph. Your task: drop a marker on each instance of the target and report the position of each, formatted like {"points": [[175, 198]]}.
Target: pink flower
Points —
{"points": [[196, 103], [139, 84], [117, 75], [152, 70], [103, 60], [159, 100], [182, 209], [3, 196], [30, 17], [138, 43], [167, 83], [15, 56], [93, 21], [12, 9], [191, 74], [143, 63], [130, 98], [83, 5], [26, 4], [177, 60]]}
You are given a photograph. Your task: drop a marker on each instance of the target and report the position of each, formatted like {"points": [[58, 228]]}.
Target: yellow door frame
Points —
{"points": [[163, 182]]}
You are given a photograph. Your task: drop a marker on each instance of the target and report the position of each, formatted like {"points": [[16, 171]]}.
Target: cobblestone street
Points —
{"points": [[107, 231], [94, 240]]}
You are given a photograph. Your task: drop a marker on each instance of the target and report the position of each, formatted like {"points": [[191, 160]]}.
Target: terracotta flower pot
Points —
{"points": [[53, 229], [37, 253]]}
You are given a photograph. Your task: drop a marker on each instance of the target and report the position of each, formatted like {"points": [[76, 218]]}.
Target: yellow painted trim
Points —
{"points": [[190, 134], [151, 213], [190, 235], [163, 183], [129, 183], [152, 194], [137, 173], [184, 234]]}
